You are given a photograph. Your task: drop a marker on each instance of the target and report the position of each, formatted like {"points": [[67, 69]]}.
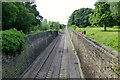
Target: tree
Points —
{"points": [[45, 25], [115, 11], [101, 15], [9, 15], [32, 9], [80, 17], [25, 20], [54, 25], [62, 26], [19, 15]]}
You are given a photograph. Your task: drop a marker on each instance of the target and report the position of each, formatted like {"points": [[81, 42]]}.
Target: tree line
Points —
{"points": [[104, 14], [48, 25], [19, 15], [24, 16]]}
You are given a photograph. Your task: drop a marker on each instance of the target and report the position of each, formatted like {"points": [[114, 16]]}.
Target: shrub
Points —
{"points": [[60, 30], [116, 27], [74, 27], [13, 41], [78, 29], [88, 27], [94, 26], [34, 32]]}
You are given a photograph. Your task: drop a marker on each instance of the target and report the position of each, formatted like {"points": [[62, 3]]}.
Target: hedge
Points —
{"points": [[13, 41]]}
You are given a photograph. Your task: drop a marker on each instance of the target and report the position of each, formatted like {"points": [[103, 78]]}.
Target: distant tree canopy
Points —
{"points": [[101, 15], [80, 17], [104, 14], [115, 9], [21, 16], [44, 25], [51, 25], [55, 25], [62, 26]]}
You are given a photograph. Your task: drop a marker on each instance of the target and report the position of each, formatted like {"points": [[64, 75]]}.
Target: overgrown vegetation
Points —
{"points": [[13, 41]]}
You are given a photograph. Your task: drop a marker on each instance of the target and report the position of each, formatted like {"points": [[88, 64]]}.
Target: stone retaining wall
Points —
{"points": [[15, 66], [96, 59]]}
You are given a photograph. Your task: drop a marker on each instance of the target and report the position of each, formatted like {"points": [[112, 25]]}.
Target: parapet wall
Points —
{"points": [[15, 66], [96, 59]]}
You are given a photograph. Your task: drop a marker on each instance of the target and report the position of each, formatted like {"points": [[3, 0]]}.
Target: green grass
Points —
{"points": [[108, 38]]}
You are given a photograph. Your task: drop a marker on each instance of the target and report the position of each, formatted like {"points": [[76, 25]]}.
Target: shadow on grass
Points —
{"points": [[111, 31]]}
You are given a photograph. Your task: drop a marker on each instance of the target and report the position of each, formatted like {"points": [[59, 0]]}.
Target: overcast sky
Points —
{"points": [[60, 10]]}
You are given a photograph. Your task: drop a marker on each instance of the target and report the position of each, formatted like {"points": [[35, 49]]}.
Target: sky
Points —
{"points": [[60, 10]]}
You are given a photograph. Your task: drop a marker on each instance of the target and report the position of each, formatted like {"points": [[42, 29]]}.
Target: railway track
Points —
{"points": [[45, 67], [59, 61]]}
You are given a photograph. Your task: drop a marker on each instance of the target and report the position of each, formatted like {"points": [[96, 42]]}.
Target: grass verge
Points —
{"points": [[108, 38]]}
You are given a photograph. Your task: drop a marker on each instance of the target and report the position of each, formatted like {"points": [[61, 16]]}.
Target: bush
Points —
{"points": [[60, 30], [34, 32], [88, 27], [94, 26], [78, 29], [13, 41], [74, 27], [116, 27]]}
